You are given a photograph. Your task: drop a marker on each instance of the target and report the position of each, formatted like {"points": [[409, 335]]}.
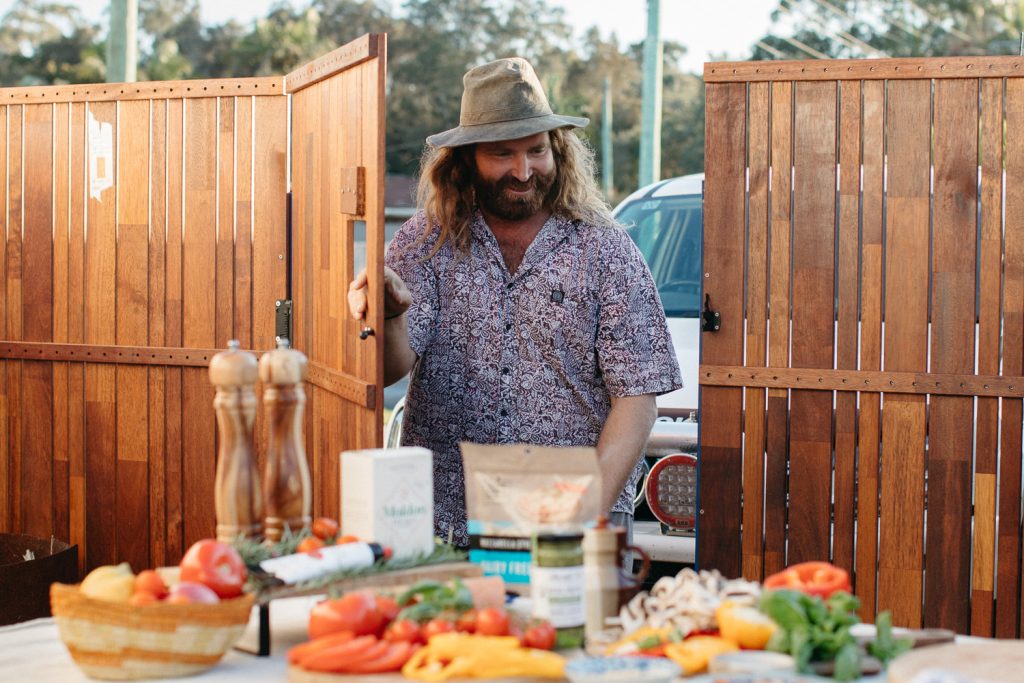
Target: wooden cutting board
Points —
{"points": [[996, 661]]}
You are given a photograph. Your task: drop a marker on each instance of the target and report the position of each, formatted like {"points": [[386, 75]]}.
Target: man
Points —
{"points": [[525, 314]]}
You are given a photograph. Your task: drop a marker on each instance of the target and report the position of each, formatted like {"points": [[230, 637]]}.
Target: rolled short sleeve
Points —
{"points": [[634, 347], [407, 255]]}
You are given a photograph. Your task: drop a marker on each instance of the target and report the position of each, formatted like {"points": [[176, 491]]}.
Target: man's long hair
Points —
{"points": [[447, 197]]}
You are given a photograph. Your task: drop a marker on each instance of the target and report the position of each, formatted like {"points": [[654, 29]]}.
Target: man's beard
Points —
{"points": [[495, 200]]}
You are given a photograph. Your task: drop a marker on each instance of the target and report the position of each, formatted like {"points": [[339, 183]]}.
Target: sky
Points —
{"points": [[710, 29]]}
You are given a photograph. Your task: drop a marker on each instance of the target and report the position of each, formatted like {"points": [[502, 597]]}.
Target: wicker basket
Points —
{"points": [[117, 641]]}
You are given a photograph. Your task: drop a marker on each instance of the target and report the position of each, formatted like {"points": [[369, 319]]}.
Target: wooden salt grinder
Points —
{"points": [[286, 486], [237, 497]]}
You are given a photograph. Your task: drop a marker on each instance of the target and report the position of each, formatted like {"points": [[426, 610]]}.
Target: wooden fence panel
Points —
{"points": [[915, 268], [345, 386], [125, 225]]}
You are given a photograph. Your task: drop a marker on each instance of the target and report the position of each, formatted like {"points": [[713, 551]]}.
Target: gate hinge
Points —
{"points": [[283, 319], [712, 320]]}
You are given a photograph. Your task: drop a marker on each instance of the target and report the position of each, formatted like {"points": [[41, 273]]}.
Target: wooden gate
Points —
{"points": [[145, 225], [864, 243]]}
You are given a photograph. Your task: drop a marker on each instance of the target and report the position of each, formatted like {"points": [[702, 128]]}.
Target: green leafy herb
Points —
{"points": [[885, 647], [815, 630], [430, 598]]}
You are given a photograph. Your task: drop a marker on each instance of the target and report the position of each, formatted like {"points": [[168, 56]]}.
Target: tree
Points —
{"points": [[804, 29], [43, 43]]}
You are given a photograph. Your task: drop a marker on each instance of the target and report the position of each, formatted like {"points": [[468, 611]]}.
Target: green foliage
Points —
{"points": [[432, 43], [892, 28]]}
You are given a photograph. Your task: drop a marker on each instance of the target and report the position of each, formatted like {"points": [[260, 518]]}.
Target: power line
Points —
{"points": [[778, 54], [803, 47], [847, 39]]}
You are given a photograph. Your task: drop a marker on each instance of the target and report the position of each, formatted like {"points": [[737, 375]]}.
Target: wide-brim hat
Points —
{"points": [[503, 100]]}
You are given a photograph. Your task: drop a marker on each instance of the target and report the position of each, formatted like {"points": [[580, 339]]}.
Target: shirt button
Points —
{"points": [[503, 412], [508, 327], [505, 371]]}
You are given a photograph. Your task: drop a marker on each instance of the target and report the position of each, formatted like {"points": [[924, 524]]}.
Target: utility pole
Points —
{"points": [[122, 46], [650, 127], [607, 167]]}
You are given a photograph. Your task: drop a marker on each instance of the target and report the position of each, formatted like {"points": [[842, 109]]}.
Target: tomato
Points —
{"points": [[215, 564], [404, 630], [387, 607], [356, 612], [142, 597], [310, 544], [150, 582], [492, 621], [336, 657], [814, 578], [466, 622], [540, 636], [435, 626], [346, 539], [324, 528], [190, 592]]}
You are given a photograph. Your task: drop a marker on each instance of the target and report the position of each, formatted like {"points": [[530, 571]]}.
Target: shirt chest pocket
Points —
{"points": [[566, 314]]}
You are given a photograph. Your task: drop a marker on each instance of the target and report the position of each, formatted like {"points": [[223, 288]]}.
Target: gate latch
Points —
{"points": [[712, 320]]}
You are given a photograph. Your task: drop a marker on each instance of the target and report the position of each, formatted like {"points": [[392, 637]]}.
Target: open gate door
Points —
{"points": [[337, 142]]}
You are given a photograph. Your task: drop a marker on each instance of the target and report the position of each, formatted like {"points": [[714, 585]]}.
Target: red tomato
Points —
{"points": [[356, 612], [150, 582], [404, 630], [324, 528], [387, 607], [190, 591], [540, 636], [814, 578], [492, 621], [309, 544], [466, 622], [215, 564], [142, 597], [346, 539], [435, 626]]}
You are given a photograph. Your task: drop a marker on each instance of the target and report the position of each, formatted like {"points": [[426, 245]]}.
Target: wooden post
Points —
{"points": [[286, 484], [237, 492]]}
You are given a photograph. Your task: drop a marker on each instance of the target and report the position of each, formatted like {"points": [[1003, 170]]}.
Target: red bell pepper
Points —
{"points": [[814, 578]]}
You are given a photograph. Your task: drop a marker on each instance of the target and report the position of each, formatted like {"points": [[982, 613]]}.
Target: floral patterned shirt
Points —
{"points": [[527, 357]]}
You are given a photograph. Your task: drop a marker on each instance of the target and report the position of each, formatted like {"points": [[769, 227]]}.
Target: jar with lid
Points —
{"points": [[556, 585]]}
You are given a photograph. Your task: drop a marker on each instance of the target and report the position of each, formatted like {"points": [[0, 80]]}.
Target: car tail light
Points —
{"points": [[671, 489]]}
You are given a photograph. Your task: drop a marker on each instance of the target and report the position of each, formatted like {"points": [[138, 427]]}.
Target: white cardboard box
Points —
{"points": [[387, 497]]}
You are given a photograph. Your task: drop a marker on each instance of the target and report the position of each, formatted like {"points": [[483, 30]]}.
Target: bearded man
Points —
{"points": [[523, 311]]}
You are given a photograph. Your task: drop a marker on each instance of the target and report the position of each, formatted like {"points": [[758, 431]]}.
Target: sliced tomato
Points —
{"points": [[300, 652], [335, 658], [814, 578], [355, 611], [393, 659], [216, 565]]}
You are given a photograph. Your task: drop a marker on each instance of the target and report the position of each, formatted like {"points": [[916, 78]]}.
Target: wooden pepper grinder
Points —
{"points": [[286, 486], [237, 497]]}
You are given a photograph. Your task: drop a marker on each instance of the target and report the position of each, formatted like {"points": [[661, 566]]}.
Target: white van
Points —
{"points": [[665, 220]]}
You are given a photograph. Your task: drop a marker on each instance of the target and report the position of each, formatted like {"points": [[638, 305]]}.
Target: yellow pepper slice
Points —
{"points": [[462, 655], [693, 654], [749, 627]]}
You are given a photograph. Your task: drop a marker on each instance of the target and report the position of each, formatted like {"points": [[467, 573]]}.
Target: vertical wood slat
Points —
{"points": [[869, 435], [720, 466], [100, 313], [990, 282], [777, 441], [900, 557], [199, 327], [15, 134], [36, 482], [1008, 568], [7, 488], [758, 119], [174, 320], [225, 222], [155, 334], [132, 324], [847, 276], [76, 334], [954, 236], [61, 247], [814, 162]]}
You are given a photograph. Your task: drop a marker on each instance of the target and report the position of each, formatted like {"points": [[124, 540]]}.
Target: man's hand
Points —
{"points": [[396, 296]]}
